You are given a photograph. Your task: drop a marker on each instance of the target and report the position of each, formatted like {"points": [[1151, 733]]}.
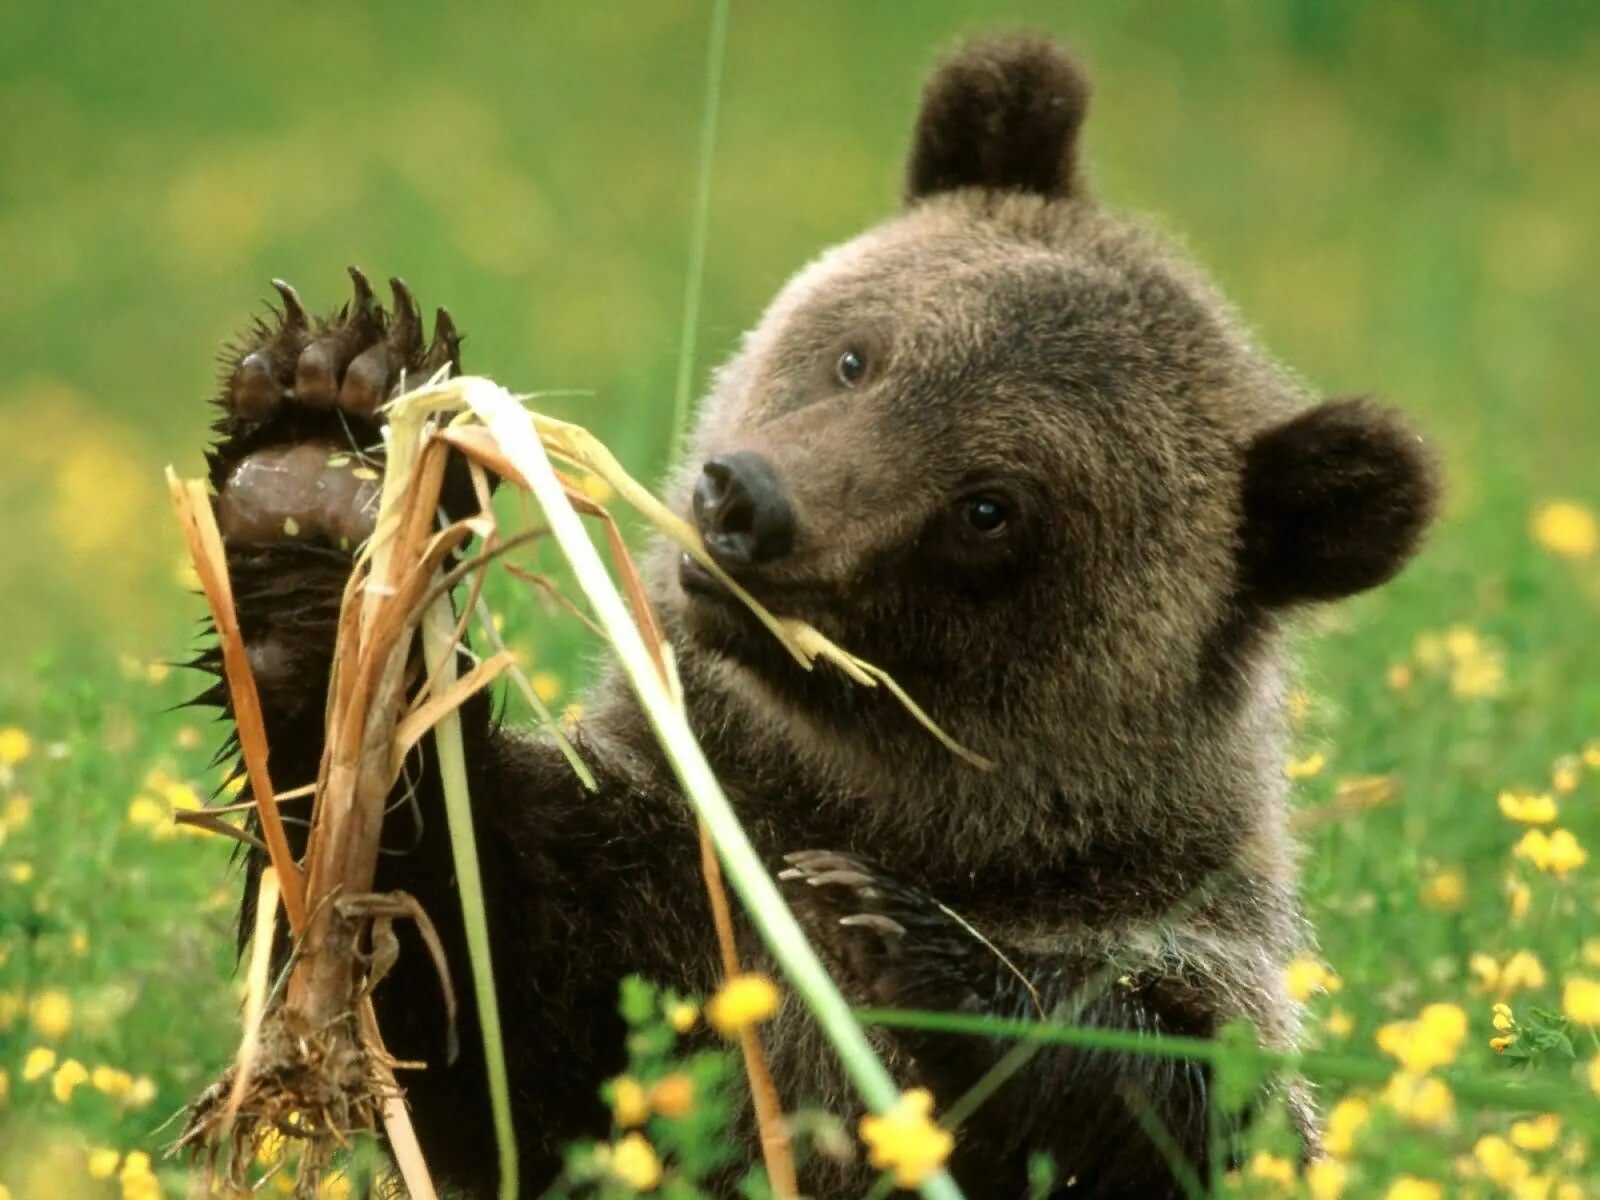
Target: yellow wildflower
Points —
{"points": [[138, 1180], [1591, 755], [1429, 650], [906, 1140], [1593, 1071], [1591, 952], [1366, 791], [1521, 970], [1305, 768], [545, 685], [1326, 1179], [1566, 774], [1461, 642], [103, 1163], [1519, 896], [1304, 977], [1477, 677], [1272, 1169], [633, 1160], [1445, 889], [78, 943], [69, 1076], [682, 1015], [1409, 1187], [1506, 1025], [1347, 1119], [1557, 852], [5, 1085], [15, 746], [1537, 1133], [1528, 808], [1420, 1099], [1339, 1023], [19, 807], [628, 1104], [20, 872], [742, 1001], [41, 1060], [110, 1081], [12, 1006], [1499, 1162], [1432, 1040], [146, 813], [51, 1013], [1565, 529], [1580, 1000], [141, 1093], [673, 1095], [335, 1187], [1399, 677]]}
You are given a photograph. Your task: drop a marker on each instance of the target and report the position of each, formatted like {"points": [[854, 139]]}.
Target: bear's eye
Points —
{"points": [[850, 368], [986, 514]]}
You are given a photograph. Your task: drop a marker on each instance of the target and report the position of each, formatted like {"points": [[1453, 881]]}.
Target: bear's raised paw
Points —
{"points": [[300, 454]]}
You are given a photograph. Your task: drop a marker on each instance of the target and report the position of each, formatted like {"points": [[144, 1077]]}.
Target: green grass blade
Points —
{"points": [[694, 278]]}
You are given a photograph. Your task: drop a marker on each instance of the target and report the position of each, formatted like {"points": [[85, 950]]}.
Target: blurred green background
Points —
{"points": [[1401, 197]]}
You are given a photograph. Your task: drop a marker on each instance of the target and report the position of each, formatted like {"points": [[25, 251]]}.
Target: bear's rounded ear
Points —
{"points": [[1002, 114], [1335, 501]]}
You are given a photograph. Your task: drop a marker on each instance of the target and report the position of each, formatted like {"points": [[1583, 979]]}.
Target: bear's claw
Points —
{"points": [[300, 457]]}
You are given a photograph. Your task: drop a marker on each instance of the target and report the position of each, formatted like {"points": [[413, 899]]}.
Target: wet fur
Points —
{"points": [[1117, 653]]}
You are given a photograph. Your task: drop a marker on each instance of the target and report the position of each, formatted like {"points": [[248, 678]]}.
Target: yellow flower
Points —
{"points": [[1557, 852], [147, 813], [672, 1095], [18, 809], [20, 872], [1500, 1162], [1432, 1040], [141, 1093], [103, 1163], [1339, 1023], [1347, 1119], [1522, 970], [545, 686], [1502, 1018], [1477, 677], [69, 1076], [742, 1001], [1580, 1000], [15, 746], [11, 1007], [110, 1081], [634, 1161], [1519, 896], [1528, 808], [906, 1140], [1591, 755], [1399, 677], [334, 1187], [51, 1013], [1409, 1187], [1304, 977], [1566, 774], [1273, 1169], [1326, 1179], [628, 1104], [1305, 768], [41, 1060], [1420, 1099], [682, 1015], [1565, 529], [1538, 1133], [1445, 889], [5, 1085], [1593, 1071]]}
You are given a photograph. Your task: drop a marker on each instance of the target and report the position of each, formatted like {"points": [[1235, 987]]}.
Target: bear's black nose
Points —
{"points": [[743, 512]]}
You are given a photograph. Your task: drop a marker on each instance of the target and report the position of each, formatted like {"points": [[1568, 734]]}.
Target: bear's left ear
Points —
{"points": [[1001, 114], [1335, 502]]}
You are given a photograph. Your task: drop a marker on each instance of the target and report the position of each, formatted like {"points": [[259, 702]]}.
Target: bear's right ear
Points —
{"points": [[1001, 114]]}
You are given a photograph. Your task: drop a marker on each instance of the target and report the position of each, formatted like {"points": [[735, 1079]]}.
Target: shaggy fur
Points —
{"points": [[1037, 470]]}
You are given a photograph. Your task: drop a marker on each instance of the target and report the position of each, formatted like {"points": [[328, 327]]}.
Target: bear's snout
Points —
{"points": [[743, 510]]}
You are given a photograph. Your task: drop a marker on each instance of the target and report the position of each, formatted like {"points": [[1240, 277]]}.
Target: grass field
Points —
{"points": [[1401, 197]]}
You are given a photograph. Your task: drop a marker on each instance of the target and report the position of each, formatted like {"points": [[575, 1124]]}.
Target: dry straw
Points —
{"points": [[312, 1062]]}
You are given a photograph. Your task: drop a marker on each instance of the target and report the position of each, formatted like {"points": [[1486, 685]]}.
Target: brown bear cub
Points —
{"points": [[1021, 454]]}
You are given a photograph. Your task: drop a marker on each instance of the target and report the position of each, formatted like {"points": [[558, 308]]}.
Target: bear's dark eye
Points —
{"points": [[987, 514], [852, 365]]}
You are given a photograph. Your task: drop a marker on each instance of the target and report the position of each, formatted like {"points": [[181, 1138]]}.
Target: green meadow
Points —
{"points": [[1400, 197]]}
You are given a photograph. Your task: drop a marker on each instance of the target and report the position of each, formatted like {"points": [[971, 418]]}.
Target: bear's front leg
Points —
{"points": [[1115, 1123]]}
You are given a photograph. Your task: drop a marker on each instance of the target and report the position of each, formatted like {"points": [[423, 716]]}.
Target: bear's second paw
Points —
{"points": [[891, 944]]}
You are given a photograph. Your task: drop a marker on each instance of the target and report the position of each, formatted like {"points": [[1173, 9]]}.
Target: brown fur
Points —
{"points": [[1114, 648]]}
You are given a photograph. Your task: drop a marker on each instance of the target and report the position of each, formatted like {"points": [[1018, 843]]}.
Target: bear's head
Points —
{"points": [[1022, 455]]}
